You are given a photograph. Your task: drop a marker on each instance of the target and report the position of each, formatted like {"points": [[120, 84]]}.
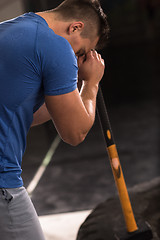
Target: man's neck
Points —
{"points": [[58, 26]]}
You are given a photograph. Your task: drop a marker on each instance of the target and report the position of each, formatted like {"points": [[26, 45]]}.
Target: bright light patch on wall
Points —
{"points": [[10, 9]]}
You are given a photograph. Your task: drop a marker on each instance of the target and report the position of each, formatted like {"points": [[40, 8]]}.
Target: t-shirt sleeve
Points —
{"points": [[58, 64]]}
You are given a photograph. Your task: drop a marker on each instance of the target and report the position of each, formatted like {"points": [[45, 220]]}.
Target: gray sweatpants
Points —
{"points": [[18, 218]]}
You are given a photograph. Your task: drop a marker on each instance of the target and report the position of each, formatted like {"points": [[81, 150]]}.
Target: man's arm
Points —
{"points": [[73, 114], [41, 116]]}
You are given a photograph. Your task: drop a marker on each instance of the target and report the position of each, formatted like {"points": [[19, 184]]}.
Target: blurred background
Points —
{"points": [[78, 178]]}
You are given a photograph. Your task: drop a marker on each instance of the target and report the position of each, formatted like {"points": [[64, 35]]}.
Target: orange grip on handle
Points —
{"points": [[122, 189]]}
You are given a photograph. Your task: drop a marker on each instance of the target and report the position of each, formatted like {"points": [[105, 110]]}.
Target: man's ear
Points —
{"points": [[75, 27]]}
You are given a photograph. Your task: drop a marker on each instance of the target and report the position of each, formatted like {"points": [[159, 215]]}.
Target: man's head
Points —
{"points": [[87, 18]]}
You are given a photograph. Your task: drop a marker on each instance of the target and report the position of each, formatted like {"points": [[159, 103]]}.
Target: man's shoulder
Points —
{"points": [[49, 36], [51, 43]]}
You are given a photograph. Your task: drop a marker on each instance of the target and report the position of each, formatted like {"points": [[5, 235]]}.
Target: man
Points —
{"points": [[37, 65]]}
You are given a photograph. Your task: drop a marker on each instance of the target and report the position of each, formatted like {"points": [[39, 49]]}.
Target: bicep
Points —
{"points": [[69, 115]]}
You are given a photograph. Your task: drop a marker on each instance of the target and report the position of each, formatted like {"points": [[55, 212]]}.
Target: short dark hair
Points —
{"points": [[91, 12]]}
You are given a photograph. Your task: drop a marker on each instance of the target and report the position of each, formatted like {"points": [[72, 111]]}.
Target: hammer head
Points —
{"points": [[144, 232]]}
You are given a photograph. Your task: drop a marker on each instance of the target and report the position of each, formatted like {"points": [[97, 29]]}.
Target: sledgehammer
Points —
{"points": [[133, 231]]}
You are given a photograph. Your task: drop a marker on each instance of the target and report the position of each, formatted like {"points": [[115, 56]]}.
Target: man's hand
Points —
{"points": [[91, 67]]}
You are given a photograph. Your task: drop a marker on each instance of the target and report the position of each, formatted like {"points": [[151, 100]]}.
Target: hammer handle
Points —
{"points": [[115, 164]]}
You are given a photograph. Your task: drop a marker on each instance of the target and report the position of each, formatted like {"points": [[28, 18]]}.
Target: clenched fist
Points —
{"points": [[91, 67]]}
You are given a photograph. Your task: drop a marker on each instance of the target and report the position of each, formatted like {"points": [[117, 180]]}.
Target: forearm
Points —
{"points": [[91, 69], [41, 116], [88, 95]]}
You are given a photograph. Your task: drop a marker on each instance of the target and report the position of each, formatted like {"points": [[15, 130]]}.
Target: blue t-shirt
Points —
{"points": [[34, 62]]}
